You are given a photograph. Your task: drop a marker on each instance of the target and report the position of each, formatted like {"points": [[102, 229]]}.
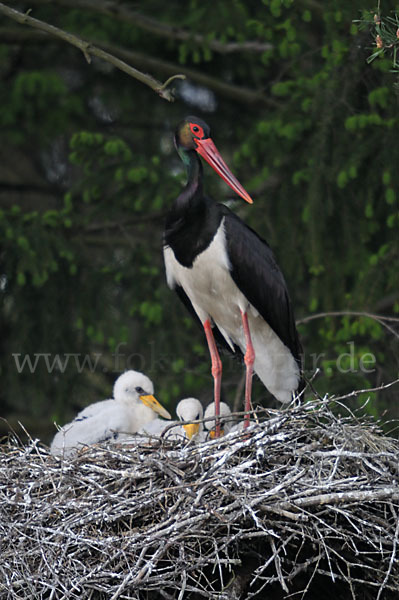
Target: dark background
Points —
{"points": [[88, 171]]}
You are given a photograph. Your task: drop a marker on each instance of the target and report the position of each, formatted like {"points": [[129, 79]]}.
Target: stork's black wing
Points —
{"points": [[256, 273]]}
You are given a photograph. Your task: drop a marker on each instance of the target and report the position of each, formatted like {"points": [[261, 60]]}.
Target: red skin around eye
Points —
{"points": [[199, 133]]}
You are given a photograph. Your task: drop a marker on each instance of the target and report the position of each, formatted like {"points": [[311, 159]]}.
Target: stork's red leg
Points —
{"points": [[216, 372], [249, 359]]}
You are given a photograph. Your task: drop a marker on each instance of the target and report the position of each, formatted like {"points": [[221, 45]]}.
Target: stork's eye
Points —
{"points": [[197, 417], [197, 130], [140, 390]]}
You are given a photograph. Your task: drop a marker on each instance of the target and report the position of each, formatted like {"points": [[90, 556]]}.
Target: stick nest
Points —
{"points": [[305, 504]]}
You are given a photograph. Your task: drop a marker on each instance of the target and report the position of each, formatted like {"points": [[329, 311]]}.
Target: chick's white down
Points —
{"points": [[187, 410], [226, 420], [132, 406]]}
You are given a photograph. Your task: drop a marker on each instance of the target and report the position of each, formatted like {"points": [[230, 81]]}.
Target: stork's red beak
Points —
{"points": [[207, 149]]}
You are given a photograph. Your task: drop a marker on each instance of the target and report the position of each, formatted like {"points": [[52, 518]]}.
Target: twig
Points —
{"points": [[238, 93], [351, 313], [355, 393], [313, 492], [89, 50], [393, 556], [125, 14]]}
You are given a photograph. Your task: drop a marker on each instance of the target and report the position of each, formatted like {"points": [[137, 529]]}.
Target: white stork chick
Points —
{"points": [[226, 422], [132, 406], [187, 410], [190, 409]]}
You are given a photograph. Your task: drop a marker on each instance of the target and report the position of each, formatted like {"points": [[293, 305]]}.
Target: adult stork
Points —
{"points": [[228, 277]]}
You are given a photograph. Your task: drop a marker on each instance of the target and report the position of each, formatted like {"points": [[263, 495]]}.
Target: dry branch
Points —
{"points": [[89, 50], [306, 501], [237, 93], [381, 319], [125, 14]]}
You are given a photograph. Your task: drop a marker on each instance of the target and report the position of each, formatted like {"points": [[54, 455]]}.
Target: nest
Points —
{"points": [[304, 505]]}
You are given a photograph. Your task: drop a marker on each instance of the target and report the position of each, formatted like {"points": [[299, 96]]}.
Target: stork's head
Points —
{"points": [[194, 134], [189, 131], [133, 386]]}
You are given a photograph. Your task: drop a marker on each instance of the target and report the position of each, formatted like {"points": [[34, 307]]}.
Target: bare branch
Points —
{"points": [[315, 491], [123, 13], [141, 218], [355, 393], [345, 497], [238, 93], [89, 50], [382, 319]]}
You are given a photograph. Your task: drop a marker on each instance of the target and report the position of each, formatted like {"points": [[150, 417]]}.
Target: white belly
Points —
{"points": [[215, 296]]}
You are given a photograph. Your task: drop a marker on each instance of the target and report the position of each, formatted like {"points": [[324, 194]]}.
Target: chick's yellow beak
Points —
{"points": [[212, 433], [191, 429], [153, 403]]}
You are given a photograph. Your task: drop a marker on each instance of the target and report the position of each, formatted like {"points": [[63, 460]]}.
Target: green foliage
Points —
{"points": [[385, 30], [27, 101], [88, 171]]}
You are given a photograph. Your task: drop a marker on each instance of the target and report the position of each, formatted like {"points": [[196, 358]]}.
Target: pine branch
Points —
{"points": [[90, 50]]}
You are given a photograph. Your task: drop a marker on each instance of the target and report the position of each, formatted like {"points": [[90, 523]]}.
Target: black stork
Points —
{"points": [[228, 277]]}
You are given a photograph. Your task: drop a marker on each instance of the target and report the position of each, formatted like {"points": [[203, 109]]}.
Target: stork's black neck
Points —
{"points": [[194, 218], [193, 192]]}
